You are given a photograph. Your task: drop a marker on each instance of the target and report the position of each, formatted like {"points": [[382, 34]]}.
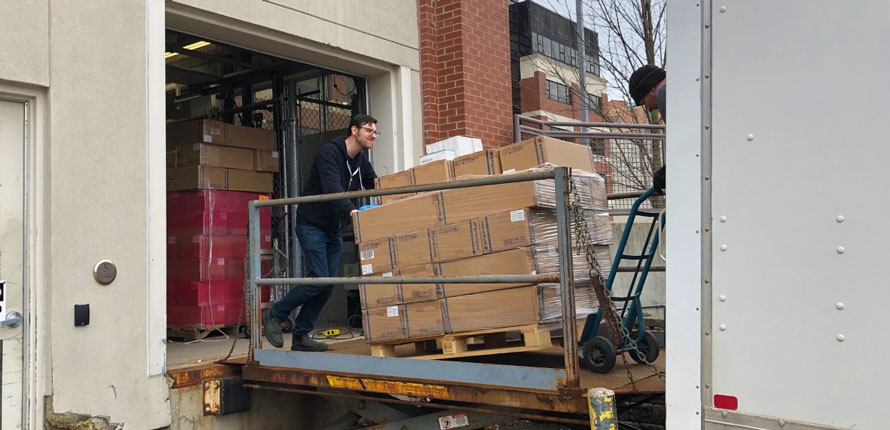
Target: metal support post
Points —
{"points": [[293, 179], [601, 403], [253, 243], [517, 130], [566, 276]]}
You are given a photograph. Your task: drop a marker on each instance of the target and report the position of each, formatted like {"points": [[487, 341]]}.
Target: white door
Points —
{"points": [[12, 260]]}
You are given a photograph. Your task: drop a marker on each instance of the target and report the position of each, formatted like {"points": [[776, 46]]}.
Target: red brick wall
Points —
{"points": [[465, 70]]}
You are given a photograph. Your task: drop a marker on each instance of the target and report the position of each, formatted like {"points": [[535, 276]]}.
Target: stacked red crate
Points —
{"points": [[206, 250]]}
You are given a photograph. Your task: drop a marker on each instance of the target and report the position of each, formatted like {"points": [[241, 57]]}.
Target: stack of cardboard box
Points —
{"points": [[488, 230], [213, 171], [207, 154]]}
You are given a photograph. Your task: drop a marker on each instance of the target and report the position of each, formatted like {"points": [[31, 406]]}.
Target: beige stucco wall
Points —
{"points": [[96, 68]]}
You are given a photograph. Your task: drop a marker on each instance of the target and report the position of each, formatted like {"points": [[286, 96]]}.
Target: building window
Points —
{"points": [[594, 103], [558, 92], [598, 146]]}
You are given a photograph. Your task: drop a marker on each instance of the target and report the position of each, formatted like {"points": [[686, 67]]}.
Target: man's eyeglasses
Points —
{"points": [[371, 131]]}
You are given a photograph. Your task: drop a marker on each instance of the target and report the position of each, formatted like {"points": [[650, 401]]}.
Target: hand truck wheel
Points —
{"points": [[598, 354], [648, 347]]}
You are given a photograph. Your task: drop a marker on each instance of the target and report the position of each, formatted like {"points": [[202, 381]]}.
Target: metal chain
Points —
{"points": [[610, 312], [246, 300]]}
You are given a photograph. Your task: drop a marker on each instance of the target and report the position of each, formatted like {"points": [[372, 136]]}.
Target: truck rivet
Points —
{"points": [[723, 247], [781, 422], [707, 127], [722, 9], [840, 250], [723, 219], [723, 414], [750, 137], [707, 76], [839, 306], [722, 298], [722, 327], [840, 338], [707, 25], [707, 280], [707, 386], [707, 229], [707, 178], [840, 218], [707, 333]]}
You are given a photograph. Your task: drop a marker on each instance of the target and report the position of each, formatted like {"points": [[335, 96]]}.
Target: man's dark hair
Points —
{"points": [[358, 121], [643, 80]]}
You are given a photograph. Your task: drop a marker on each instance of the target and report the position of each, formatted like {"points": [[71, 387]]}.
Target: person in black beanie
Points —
{"points": [[648, 88]]}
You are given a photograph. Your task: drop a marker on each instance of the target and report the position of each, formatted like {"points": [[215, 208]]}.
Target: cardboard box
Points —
{"points": [[413, 213], [248, 180], [507, 230], [467, 203], [385, 324], [540, 150], [266, 161], [434, 172], [377, 295], [486, 162], [414, 248], [249, 137], [197, 131], [196, 177], [200, 154], [377, 256], [172, 157], [461, 145], [410, 293], [445, 154], [425, 319], [395, 180], [406, 321], [513, 262], [493, 309], [459, 240]]}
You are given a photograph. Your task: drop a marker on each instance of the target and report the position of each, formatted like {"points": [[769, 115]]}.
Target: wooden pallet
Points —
{"points": [[189, 333], [471, 344]]}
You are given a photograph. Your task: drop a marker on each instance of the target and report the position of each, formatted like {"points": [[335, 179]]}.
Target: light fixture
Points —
{"points": [[196, 45], [170, 54]]}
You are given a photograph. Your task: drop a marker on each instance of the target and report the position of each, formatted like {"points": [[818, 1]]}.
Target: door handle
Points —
{"points": [[13, 319]]}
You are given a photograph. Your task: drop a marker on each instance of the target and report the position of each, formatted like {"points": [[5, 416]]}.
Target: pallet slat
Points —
{"points": [[457, 345]]}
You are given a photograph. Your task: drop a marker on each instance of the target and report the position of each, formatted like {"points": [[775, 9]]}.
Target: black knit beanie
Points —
{"points": [[643, 80]]}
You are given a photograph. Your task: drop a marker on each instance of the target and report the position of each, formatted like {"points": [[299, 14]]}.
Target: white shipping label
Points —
{"points": [[214, 131], [268, 238], [196, 239], [367, 254], [509, 171], [453, 421], [517, 215], [208, 138], [392, 311], [552, 251], [274, 154], [367, 269], [387, 275], [220, 261]]}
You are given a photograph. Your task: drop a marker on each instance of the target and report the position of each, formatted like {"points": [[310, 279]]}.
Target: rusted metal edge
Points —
{"points": [[195, 375], [566, 401], [420, 403]]}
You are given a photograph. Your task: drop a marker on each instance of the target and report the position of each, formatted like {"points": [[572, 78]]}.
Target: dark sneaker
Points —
{"points": [[306, 343], [272, 328]]}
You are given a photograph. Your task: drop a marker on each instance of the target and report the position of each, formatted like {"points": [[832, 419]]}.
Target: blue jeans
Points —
{"points": [[321, 255]]}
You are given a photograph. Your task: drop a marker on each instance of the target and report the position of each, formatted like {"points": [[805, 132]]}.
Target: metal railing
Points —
{"points": [[626, 155], [531, 378]]}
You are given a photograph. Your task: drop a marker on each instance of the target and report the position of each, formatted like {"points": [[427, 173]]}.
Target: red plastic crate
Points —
{"points": [[223, 313], [203, 269], [194, 212], [185, 293]]}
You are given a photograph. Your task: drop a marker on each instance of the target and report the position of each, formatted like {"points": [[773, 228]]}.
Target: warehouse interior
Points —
{"points": [[303, 104]]}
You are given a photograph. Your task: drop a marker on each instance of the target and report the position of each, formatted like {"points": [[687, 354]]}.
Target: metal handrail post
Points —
{"points": [[566, 277], [517, 131], [253, 243]]}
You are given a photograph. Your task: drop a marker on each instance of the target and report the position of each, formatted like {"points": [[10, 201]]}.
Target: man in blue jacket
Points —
{"points": [[341, 165], [648, 87]]}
